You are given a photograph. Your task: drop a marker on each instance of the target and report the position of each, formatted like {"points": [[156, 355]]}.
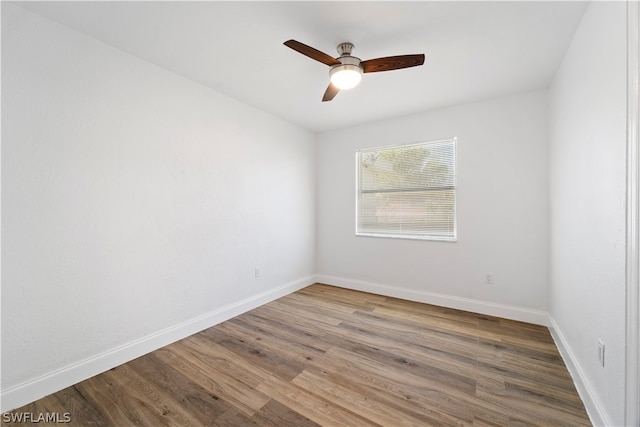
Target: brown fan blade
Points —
{"points": [[311, 52], [391, 63], [330, 93]]}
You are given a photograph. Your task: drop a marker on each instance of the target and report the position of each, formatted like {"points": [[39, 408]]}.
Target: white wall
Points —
{"points": [[133, 201], [502, 211], [587, 169]]}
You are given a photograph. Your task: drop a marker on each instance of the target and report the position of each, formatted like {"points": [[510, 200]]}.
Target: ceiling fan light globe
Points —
{"points": [[346, 76]]}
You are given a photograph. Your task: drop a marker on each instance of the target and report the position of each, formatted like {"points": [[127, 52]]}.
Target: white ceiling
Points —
{"points": [[474, 50]]}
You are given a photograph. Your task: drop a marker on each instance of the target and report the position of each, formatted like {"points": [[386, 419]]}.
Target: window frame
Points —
{"points": [[438, 238]]}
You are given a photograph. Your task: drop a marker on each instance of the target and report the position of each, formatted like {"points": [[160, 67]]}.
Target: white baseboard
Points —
{"points": [[483, 307], [595, 409], [27, 392]]}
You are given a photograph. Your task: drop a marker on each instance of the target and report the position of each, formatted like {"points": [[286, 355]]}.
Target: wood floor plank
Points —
{"points": [[79, 410], [440, 324], [205, 371], [343, 297], [258, 352], [418, 404], [453, 349], [402, 361], [526, 410], [287, 332], [359, 400], [222, 361], [312, 302], [126, 398], [505, 366], [325, 356], [303, 324], [435, 312], [436, 356], [409, 393], [311, 405], [296, 351], [301, 312], [275, 414], [201, 404]]}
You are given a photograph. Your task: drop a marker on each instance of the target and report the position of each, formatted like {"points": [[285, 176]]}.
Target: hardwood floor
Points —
{"points": [[334, 357]]}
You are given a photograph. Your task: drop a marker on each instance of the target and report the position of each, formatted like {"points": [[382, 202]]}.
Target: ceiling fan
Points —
{"points": [[346, 70]]}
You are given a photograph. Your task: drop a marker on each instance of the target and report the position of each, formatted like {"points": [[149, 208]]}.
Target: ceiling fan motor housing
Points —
{"points": [[347, 62]]}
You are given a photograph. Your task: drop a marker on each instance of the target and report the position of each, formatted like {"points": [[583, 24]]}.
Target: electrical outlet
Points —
{"points": [[488, 278], [257, 272], [601, 352]]}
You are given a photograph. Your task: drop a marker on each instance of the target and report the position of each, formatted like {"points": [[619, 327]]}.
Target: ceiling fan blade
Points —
{"points": [[330, 93], [391, 63], [311, 52]]}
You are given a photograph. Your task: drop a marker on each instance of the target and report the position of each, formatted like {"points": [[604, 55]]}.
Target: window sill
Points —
{"points": [[409, 237]]}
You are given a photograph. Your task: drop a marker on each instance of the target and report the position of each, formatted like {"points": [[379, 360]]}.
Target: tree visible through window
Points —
{"points": [[407, 191]]}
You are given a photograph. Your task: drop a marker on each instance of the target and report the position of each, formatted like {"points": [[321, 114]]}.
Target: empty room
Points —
{"points": [[319, 213]]}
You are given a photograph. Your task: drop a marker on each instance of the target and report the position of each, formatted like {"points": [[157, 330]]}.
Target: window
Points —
{"points": [[407, 191]]}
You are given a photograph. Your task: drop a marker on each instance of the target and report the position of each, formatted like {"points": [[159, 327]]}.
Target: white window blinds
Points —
{"points": [[407, 191]]}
